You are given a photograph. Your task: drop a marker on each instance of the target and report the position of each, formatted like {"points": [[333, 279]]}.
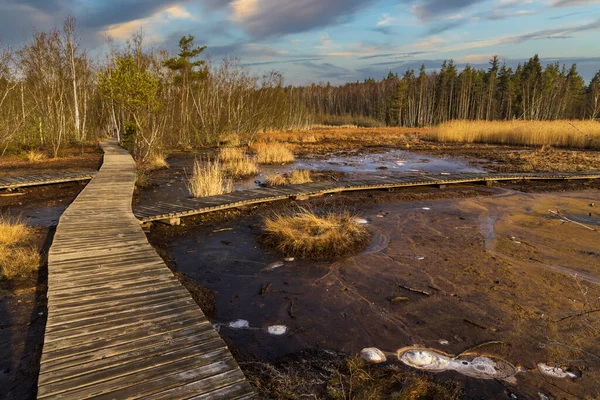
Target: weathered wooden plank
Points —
{"points": [[117, 317]]}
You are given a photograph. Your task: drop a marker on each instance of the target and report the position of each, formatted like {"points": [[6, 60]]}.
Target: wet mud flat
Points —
{"points": [[449, 270], [169, 185]]}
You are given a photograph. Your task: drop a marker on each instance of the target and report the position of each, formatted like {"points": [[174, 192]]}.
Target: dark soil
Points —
{"points": [[482, 285], [23, 312], [73, 159]]}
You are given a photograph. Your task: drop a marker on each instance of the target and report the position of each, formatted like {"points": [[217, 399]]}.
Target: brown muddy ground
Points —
{"points": [[23, 314], [498, 267], [23, 304], [72, 159]]}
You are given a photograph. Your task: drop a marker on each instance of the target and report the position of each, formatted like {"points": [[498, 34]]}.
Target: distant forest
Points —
{"points": [[53, 94]]}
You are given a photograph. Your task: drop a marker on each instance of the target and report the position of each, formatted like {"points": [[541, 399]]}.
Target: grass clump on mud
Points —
{"points": [[17, 256], [325, 374], [273, 153], [317, 236], [208, 179], [237, 163], [295, 177]]}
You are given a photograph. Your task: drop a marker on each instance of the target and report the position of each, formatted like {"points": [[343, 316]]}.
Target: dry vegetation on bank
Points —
{"points": [[17, 256], [308, 235], [208, 179], [273, 153], [237, 163], [295, 177], [562, 133]]}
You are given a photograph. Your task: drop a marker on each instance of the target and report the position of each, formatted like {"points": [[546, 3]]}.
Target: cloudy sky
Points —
{"points": [[334, 40]]}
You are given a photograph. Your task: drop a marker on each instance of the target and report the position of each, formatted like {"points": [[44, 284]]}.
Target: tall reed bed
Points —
{"points": [[208, 179], [561, 133]]}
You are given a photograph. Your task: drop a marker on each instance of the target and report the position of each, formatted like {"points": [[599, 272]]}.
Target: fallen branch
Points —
{"points": [[415, 290], [565, 219]]}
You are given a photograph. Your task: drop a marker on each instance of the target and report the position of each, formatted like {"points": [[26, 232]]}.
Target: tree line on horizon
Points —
{"points": [[416, 99], [53, 94]]}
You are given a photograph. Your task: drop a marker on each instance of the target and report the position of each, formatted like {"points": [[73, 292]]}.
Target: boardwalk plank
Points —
{"points": [[117, 317]]}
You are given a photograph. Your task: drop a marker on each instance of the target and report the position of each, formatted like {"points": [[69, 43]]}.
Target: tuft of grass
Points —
{"points": [[156, 161], [308, 235], [18, 262], [13, 231], [273, 153], [561, 133], [227, 154], [141, 179], [208, 179], [241, 167], [357, 379], [16, 257], [34, 156], [297, 176]]}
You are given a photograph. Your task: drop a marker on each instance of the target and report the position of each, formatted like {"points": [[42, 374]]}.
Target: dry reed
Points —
{"points": [[34, 156], [16, 257], [273, 153], [156, 161], [561, 133], [296, 177], [241, 167], [306, 234], [208, 179]]}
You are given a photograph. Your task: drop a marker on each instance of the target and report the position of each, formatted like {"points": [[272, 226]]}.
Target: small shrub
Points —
{"points": [[141, 179], [34, 156], [307, 235], [273, 153], [238, 168], [16, 262], [208, 179]]}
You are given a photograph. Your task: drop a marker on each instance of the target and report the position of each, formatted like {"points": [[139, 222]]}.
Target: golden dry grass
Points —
{"points": [[17, 258], [241, 167], [561, 133], [34, 156], [17, 262], [208, 179], [230, 139], [297, 176], [156, 161], [273, 153], [308, 235], [13, 231], [227, 154]]}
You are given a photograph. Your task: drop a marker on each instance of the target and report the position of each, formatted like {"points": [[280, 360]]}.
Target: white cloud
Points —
{"points": [[178, 12], [385, 20]]}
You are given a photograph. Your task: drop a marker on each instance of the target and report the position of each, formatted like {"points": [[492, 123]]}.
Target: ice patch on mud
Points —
{"points": [[425, 359], [556, 372], [277, 330], [477, 366], [239, 324], [373, 355]]}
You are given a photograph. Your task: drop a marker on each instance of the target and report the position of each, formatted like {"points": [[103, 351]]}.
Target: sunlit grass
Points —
{"points": [[561, 133], [273, 153], [208, 179], [308, 235], [297, 176], [17, 257], [34, 156]]}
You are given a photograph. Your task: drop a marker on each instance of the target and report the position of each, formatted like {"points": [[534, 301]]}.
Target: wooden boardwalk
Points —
{"points": [[13, 182], [120, 326], [186, 207]]}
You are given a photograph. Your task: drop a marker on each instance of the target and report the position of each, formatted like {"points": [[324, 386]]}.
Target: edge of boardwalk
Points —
{"points": [[120, 325]]}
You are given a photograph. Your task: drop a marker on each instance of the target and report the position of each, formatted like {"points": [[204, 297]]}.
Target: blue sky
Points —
{"points": [[334, 40]]}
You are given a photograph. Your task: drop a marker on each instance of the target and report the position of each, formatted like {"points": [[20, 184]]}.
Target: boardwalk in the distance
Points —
{"points": [[120, 326], [186, 207], [14, 182]]}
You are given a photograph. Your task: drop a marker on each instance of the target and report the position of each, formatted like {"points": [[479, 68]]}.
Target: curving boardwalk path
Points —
{"points": [[120, 325], [13, 182], [186, 207]]}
